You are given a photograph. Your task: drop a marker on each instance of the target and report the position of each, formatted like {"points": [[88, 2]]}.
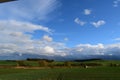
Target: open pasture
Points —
{"points": [[99, 73]]}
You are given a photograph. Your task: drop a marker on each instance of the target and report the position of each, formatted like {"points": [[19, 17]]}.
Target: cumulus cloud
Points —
{"points": [[17, 31], [80, 22], [47, 38], [84, 51], [88, 49], [98, 23], [16, 37], [116, 3], [49, 50], [15, 41], [87, 11], [28, 9], [25, 45]]}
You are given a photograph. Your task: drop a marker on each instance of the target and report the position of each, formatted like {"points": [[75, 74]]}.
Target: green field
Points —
{"points": [[102, 72], [99, 73]]}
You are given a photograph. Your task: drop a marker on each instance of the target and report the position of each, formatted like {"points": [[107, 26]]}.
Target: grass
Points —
{"points": [[8, 63], [98, 73], [104, 72]]}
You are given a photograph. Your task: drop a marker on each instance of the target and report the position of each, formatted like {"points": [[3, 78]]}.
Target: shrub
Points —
{"points": [[67, 64], [43, 63], [59, 65], [21, 63], [114, 65]]}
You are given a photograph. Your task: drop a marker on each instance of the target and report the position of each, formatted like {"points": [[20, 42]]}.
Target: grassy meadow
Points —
{"points": [[104, 72]]}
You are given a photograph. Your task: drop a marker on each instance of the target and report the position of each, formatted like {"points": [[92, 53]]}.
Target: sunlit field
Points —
{"points": [[32, 71], [100, 73]]}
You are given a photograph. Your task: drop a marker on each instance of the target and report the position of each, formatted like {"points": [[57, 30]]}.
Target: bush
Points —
{"points": [[67, 64], [43, 63], [21, 63], [59, 65], [114, 65]]}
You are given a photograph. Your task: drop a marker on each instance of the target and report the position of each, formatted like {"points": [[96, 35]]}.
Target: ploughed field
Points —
{"points": [[103, 72]]}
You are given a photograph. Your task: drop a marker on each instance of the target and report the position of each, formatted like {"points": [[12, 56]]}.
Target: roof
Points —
{"points": [[2, 1]]}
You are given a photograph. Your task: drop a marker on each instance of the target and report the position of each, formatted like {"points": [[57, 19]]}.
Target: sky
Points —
{"points": [[60, 29]]}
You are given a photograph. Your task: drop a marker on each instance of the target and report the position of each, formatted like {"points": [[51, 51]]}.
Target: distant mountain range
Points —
{"points": [[15, 56]]}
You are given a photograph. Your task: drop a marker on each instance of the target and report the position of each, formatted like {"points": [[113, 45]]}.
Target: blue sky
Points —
{"points": [[64, 22], [60, 28]]}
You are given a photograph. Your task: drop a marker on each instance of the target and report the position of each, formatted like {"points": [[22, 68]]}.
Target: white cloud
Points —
{"points": [[66, 39], [117, 39], [15, 41], [91, 46], [98, 23], [21, 43], [28, 9], [88, 49], [116, 3], [78, 21], [16, 38], [49, 50], [84, 51], [87, 11], [47, 38], [13, 25]]}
